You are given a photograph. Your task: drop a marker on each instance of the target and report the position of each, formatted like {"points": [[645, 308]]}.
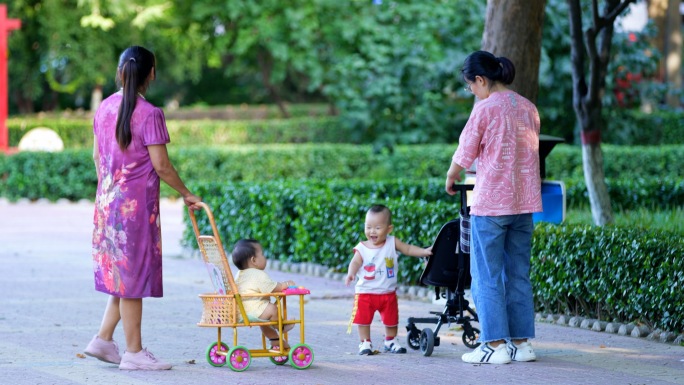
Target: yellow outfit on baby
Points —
{"points": [[255, 281]]}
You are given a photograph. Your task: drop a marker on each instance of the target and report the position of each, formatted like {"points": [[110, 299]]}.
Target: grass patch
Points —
{"points": [[668, 220]]}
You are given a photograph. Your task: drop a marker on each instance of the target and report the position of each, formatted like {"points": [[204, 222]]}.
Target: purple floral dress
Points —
{"points": [[127, 255]]}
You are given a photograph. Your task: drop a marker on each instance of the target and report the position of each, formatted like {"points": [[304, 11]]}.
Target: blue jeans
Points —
{"points": [[500, 267]]}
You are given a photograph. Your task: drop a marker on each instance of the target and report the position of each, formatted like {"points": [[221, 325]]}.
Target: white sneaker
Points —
{"points": [[365, 348], [393, 346], [485, 354], [522, 352]]}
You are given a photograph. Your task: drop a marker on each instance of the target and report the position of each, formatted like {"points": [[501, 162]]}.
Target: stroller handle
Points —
{"points": [[463, 188]]}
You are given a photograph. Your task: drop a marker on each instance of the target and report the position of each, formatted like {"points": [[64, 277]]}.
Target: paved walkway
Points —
{"points": [[49, 311]]}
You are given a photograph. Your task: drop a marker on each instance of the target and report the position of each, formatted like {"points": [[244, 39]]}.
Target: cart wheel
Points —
{"points": [[413, 338], [213, 357], [301, 356], [427, 342], [470, 339], [279, 360], [239, 358]]}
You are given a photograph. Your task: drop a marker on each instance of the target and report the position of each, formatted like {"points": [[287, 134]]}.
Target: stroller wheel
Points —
{"points": [[301, 356], [413, 338], [470, 337], [427, 341], [215, 358], [239, 358]]}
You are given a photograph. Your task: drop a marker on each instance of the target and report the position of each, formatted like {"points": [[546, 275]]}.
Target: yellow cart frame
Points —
{"points": [[227, 311]]}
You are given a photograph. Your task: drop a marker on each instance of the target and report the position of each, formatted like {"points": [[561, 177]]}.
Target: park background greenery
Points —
{"points": [[300, 114]]}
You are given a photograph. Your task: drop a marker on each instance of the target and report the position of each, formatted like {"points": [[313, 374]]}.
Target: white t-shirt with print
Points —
{"points": [[378, 273]]}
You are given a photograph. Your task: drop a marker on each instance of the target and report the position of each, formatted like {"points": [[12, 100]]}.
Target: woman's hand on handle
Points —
{"points": [[453, 175], [190, 200]]}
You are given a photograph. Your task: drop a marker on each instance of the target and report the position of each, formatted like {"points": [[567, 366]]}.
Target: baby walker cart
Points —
{"points": [[448, 267], [224, 308]]}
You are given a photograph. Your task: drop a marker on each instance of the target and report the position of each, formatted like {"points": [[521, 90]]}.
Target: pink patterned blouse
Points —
{"points": [[502, 133]]}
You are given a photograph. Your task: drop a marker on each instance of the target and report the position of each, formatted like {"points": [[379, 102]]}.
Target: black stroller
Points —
{"points": [[448, 267]]}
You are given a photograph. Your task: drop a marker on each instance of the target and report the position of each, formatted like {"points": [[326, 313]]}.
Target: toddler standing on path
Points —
{"points": [[375, 263]]}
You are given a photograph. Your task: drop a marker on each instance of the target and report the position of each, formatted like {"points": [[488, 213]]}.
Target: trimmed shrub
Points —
{"points": [[78, 133], [565, 161], [415, 172], [609, 273]]}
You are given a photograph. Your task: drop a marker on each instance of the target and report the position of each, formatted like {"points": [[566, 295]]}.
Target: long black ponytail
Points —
{"points": [[135, 65], [483, 63]]}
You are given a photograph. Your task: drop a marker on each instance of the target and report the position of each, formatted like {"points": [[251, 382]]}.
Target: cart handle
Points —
{"points": [[462, 188]]}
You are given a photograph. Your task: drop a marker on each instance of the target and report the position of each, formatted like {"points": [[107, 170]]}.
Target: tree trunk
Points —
{"points": [[667, 19], [24, 103], [594, 178], [590, 55], [95, 98], [657, 9], [673, 53], [266, 64], [513, 28]]}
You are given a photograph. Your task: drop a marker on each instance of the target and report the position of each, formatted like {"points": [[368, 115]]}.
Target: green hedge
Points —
{"points": [[412, 171], [315, 221], [565, 161], [633, 127], [608, 273], [34, 175], [78, 133], [74, 132], [623, 127]]}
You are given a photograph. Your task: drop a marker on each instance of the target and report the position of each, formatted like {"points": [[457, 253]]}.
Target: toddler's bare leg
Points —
{"points": [[391, 331], [271, 314], [364, 332]]}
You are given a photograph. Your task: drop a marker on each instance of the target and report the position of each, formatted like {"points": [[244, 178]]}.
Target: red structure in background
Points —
{"points": [[6, 26], [626, 91]]}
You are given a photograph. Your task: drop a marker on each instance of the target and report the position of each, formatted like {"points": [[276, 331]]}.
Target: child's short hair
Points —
{"points": [[377, 209], [244, 250]]}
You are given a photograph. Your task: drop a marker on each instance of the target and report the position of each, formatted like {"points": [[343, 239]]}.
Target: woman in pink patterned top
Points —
{"points": [[130, 157], [502, 134]]}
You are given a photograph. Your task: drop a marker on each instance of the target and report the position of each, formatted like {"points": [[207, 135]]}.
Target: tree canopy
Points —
{"points": [[389, 68]]}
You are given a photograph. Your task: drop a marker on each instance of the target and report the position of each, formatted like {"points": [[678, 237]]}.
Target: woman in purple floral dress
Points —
{"points": [[130, 157]]}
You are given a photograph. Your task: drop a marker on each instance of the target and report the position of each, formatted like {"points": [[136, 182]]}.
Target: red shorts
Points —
{"points": [[365, 306]]}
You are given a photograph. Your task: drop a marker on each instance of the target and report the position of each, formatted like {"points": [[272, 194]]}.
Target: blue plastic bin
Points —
{"points": [[553, 202]]}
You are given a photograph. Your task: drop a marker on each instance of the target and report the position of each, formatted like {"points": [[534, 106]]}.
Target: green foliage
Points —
{"points": [[554, 100], [633, 69], [317, 221], [391, 69], [631, 194], [636, 128], [78, 133], [654, 219], [74, 132], [555, 79], [610, 273], [619, 161], [625, 127], [34, 175], [621, 273], [396, 81], [644, 177]]}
